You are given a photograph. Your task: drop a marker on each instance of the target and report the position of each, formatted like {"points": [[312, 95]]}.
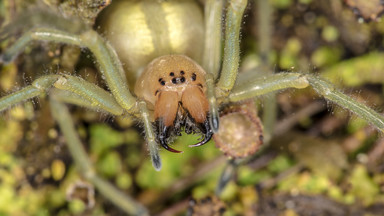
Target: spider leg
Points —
{"points": [[150, 136], [207, 131], [79, 92], [263, 85], [108, 61], [231, 56], [213, 109], [251, 86], [212, 53], [213, 11], [83, 163]]}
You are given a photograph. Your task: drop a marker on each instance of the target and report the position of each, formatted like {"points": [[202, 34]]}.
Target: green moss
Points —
{"points": [[247, 176], [330, 33], [76, 206], [289, 55], [363, 186], [357, 71], [124, 180], [325, 56], [110, 164], [104, 138], [279, 164]]}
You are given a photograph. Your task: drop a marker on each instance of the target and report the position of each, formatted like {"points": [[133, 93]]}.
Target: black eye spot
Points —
{"points": [[182, 79], [171, 74], [193, 77], [174, 81], [161, 81], [182, 72]]}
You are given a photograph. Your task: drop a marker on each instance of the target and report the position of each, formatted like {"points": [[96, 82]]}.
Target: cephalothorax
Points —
{"points": [[174, 85]]}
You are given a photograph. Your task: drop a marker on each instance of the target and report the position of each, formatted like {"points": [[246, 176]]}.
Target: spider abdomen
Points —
{"points": [[141, 31]]}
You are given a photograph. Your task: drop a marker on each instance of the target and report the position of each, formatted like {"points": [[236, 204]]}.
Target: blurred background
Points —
{"points": [[317, 158]]}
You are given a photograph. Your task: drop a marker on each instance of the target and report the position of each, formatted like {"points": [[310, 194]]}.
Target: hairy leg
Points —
{"points": [[107, 59], [82, 92], [262, 85], [212, 54], [231, 56], [62, 116], [150, 136]]}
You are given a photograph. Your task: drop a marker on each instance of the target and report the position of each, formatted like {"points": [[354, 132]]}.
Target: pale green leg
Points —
{"points": [[227, 174], [229, 71], [251, 88], [264, 85], [37, 88], [99, 98], [68, 97], [231, 56], [109, 66], [213, 109], [79, 92], [83, 163], [108, 62], [150, 136], [212, 54], [265, 28], [86, 93], [212, 47], [329, 92]]}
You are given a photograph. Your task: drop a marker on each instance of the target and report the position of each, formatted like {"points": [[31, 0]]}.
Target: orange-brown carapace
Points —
{"points": [[174, 86]]}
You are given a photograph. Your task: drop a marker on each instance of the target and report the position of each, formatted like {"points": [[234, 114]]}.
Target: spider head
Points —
{"points": [[174, 86]]}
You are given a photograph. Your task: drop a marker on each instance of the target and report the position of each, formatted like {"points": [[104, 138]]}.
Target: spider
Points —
{"points": [[160, 82]]}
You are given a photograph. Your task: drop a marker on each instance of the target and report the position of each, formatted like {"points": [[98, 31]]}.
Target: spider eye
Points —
{"points": [[182, 72], [171, 74], [161, 81], [174, 81], [193, 77]]}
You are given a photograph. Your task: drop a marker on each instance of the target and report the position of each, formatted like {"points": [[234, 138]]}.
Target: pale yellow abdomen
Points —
{"points": [[140, 31]]}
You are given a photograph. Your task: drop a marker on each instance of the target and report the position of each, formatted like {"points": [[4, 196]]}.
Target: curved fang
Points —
{"points": [[205, 128], [165, 145], [163, 134]]}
